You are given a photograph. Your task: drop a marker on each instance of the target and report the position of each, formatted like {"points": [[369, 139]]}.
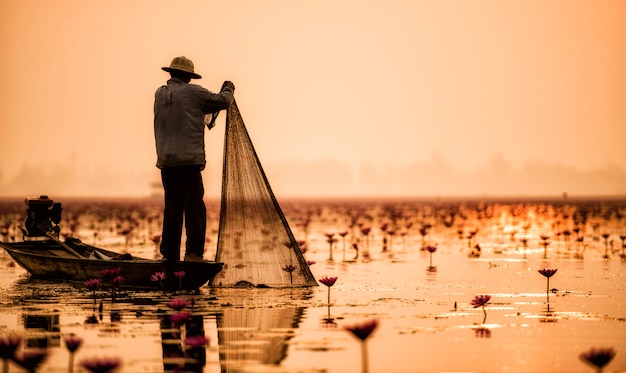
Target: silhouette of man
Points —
{"points": [[179, 119]]}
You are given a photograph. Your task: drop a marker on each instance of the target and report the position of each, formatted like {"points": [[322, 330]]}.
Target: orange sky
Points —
{"points": [[455, 87]]}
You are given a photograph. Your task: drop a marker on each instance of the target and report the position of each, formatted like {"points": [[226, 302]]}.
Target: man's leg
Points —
{"points": [[195, 215], [174, 188]]}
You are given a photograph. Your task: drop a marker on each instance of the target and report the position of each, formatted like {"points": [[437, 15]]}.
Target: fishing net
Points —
{"points": [[255, 334], [254, 241]]}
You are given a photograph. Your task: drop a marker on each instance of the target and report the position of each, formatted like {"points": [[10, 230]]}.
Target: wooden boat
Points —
{"points": [[44, 256], [75, 261]]}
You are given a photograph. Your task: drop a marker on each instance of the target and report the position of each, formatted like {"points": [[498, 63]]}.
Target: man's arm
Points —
{"points": [[215, 102], [228, 88]]}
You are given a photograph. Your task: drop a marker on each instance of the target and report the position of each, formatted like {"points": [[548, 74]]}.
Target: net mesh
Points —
{"points": [[254, 241], [255, 334]]}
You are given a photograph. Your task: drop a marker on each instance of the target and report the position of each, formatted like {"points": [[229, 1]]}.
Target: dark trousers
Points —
{"points": [[184, 193]]}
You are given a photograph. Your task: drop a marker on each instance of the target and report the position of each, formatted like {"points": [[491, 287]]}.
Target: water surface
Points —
{"points": [[426, 321]]}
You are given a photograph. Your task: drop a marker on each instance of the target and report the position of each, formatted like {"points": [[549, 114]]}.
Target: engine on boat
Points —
{"points": [[42, 217]]}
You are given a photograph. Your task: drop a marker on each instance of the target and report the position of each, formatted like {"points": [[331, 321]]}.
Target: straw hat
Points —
{"points": [[183, 64]]}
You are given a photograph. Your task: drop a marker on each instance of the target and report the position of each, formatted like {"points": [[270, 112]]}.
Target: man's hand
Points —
{"points": [[209, 120], [229, 84]]}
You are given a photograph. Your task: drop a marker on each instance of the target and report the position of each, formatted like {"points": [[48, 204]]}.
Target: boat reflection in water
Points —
{"points": [[42, 330], [236, 330], [249, 334]]}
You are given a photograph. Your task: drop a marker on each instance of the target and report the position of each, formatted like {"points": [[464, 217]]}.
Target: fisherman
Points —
{"points": [[180, 109]]}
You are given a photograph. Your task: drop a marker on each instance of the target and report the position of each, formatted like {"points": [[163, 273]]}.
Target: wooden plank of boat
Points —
{"points": [[49, 260], [63, 245]]}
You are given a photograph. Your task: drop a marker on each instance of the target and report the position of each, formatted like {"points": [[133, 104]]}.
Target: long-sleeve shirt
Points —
{"points": [[179, 110]]}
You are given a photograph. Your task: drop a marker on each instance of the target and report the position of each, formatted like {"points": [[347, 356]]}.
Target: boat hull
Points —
{"points": [[52, 261]]}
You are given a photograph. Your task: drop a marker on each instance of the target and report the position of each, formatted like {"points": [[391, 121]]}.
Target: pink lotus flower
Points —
{"points": [[328, 281], [8, 345], [101, 364], [331, 240], [178, 304], [545, 242], [355, 246], [73, 343], [181, 317], [179, 274], [92, 284], [290, 268], [598, 357], [117, 281], [547, 273], [110, 273], [482, 332], [197, 341], [158, 276], [481, 301], [431, 249], [302, 246], [363, 330], [31, 359], [606, 244]]}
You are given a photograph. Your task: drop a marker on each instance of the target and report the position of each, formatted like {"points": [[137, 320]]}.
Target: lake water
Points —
{"points": [[426, 322]]}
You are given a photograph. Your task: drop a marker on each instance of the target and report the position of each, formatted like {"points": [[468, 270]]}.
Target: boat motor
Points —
{"points": [[42, 217]]}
